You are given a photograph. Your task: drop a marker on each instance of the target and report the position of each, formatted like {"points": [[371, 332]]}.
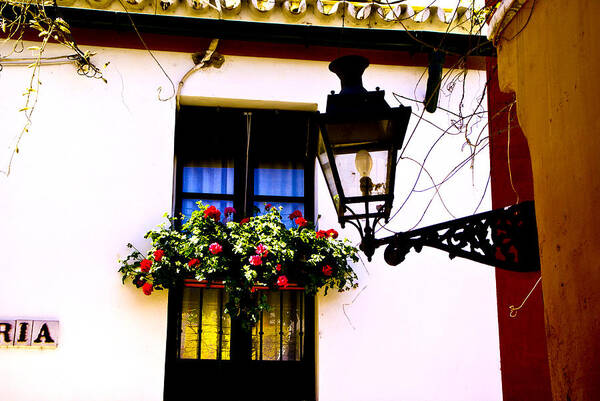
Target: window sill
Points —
{"points": [[218, 284]]}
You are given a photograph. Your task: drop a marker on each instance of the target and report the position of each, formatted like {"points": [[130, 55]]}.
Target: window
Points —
{"points": [[243, 159]]}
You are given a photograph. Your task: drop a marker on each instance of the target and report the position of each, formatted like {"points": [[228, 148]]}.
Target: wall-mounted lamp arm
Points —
{"points": [[505, 238]]}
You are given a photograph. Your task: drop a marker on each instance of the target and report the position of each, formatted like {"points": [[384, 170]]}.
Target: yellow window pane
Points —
{"points": [[204, 322], [278, 335]]}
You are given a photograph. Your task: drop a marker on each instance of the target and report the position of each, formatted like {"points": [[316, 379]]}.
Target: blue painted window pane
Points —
{"points": [[208, 179], [288, 208], [189, 205], [279, 182]]}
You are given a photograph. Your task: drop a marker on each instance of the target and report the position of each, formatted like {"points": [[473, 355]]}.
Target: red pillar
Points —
{"points": [[523, 354]]}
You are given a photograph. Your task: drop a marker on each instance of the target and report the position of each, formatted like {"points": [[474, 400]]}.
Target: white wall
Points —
{"points": [[426, 329], [95, 172]]}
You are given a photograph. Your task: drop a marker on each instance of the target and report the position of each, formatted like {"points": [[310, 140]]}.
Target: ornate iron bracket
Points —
{"points": [[505, 238]]}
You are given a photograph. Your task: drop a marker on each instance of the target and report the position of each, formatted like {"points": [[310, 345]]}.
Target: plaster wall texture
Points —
{"points": [[95, 172], [522, 378], [552, 65]]}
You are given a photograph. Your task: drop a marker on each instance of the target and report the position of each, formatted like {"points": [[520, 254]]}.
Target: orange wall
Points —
{"points": [[550, 57]]}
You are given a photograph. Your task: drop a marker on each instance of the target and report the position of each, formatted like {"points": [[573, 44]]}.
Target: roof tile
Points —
{"points": [[370, 15]]}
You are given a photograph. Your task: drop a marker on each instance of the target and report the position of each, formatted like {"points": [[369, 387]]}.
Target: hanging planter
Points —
{"points": [[256, 253]]}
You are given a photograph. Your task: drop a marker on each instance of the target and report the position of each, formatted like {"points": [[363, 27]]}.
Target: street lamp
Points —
{"points": [[358, 146], [360, 135]]}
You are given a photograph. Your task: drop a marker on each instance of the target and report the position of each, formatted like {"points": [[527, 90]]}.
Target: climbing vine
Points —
{"points": [[37, 20]]}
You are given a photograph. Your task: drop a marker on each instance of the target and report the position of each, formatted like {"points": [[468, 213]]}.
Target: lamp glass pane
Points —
{"points": [[358, 209], [359, 132], [327, 172], [351, 178]]}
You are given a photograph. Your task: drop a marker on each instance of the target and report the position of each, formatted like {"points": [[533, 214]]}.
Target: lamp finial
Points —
{"points": [[349, 70]]}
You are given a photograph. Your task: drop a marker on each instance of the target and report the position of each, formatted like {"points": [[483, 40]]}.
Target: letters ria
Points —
{"points": [[29, 333]]}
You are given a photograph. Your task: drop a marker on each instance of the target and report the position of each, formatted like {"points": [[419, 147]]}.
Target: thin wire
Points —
{"points": [[484, 192], [435, 186], [499, 35], [462, 164], [350, 304], [418, 176], [454, 170], [508, 154], [461, 124], [341, 36], [451, 174], [423, 112], [473, 152], [423, 214], [433, 197], [513, 310], [30, 59], [449, 24], [439, 107], [363, 262], [152, 55], [420, 171], [410, 137], [248, 133], [437, 126], [42, 62]]}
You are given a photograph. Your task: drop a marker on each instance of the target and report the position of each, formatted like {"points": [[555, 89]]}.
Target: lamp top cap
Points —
{"points": [[354, 62], [349, 69]]}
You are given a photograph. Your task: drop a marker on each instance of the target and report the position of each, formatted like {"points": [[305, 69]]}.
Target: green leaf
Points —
{"points": [[299, 252]]}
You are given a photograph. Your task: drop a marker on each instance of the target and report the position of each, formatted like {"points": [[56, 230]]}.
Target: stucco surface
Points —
{"points": [[552, 64], [523, 378], [95, 172]]}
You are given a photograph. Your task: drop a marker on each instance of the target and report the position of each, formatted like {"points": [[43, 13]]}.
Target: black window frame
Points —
{"points": [[242, 379]]}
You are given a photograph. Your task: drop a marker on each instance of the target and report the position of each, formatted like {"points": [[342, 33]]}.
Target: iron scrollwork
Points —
{"points": [[505, 238]]}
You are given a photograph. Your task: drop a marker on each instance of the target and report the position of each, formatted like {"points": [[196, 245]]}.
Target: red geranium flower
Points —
{"points": [[332, 233], [295, 214], [145, 265], [300, 221], [327, 270], [212, 213], [321, 234], [282, 281], [147, 288], [193, 262], [268, 206], [278, 267], [158, 255], [229, 211], [215, 248], [244, 221], [255, 260], [262, 250]]}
